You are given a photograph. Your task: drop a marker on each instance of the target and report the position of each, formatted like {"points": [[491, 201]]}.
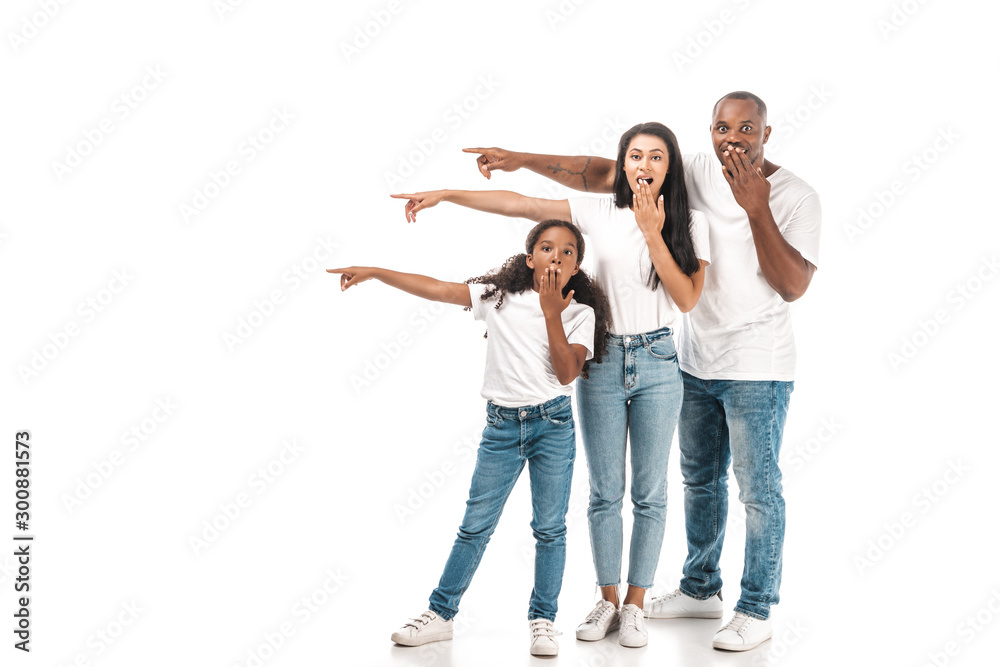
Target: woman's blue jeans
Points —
{"points": [[543, 436], [633, 396]]}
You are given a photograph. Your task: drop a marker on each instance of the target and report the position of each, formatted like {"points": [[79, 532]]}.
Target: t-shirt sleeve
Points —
{"points": [[802, 231], [585, 210], [580, 330], [699, 236], [479, 307]]}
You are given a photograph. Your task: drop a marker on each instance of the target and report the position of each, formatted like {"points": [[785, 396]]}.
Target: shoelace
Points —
{"points": [[665, 598], [739, 624], [630, 617], [422, 620], [541, 627], [600, 613]]}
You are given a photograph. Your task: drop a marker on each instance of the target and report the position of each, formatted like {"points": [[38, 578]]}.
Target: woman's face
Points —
{"points": [[646, 159]]}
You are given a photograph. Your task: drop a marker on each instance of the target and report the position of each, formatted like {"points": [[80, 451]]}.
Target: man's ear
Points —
{"points": [[767, 133]]}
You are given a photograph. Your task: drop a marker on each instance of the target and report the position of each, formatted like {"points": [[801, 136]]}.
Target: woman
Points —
{"points": [[651, 256]]}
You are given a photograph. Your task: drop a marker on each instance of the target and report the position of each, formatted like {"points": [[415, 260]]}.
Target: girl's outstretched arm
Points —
{"points": [[414, 283], [501, 202]]}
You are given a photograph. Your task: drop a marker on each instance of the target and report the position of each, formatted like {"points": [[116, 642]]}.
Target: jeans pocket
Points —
{"points": [[662, 348], [493, 419]]}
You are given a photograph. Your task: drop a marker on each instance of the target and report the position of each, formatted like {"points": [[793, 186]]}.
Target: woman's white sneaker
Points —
{"points": [[632, 630], [428, 627], [681, 605], [543, 637], [742, 633], [601, 620]]}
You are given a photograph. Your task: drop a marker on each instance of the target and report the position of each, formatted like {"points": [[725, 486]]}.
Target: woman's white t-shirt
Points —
{"points": [[519, 367], [623, 265]]}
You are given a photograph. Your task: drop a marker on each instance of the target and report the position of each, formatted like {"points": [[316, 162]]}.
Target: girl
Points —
{"points": [[651, 257], [540, 339]]}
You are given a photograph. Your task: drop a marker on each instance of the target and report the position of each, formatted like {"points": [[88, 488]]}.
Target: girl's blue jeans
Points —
{"points": [[543, 437]]}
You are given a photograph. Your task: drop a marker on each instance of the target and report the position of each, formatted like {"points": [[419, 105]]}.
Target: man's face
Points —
{"points": [[738, 124]]}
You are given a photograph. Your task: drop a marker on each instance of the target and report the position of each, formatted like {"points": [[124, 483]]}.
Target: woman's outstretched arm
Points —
{"points": [[501, 202], [423, 286]]}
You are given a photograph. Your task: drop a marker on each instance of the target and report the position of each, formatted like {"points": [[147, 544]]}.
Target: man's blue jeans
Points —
{"points": [[635, 392], [543, 436], [739, 421]]}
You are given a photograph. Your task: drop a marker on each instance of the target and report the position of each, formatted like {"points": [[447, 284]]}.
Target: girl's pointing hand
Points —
{"points": [[353, 275]]}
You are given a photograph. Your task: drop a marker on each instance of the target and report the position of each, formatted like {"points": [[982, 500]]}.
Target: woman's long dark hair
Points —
{"points": [[516, 276], [677, 225]]}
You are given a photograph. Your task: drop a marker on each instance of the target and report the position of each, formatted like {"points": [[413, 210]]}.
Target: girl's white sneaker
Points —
{"points": [[543, 637], [428, 627]]}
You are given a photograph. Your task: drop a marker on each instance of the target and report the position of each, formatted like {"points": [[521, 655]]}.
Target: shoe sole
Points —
{"points": [[545, 651], [420, 641], [691, 614], [738, 647], [633, 643], [594, 636]]}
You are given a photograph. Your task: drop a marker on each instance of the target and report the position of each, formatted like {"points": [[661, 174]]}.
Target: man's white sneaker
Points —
{"points": [[632, 631], [681, 605], [428, 627], [543, 637], [599, 622], [742, 633]]}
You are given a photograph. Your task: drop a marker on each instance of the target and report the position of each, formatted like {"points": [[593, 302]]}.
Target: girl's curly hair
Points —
{"points": [[516, 276]]}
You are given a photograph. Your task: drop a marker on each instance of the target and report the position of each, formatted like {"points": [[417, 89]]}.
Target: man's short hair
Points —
{"points": [[744, 95]]}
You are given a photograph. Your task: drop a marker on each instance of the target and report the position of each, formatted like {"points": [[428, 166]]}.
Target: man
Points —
{"points": [[737, 354]]}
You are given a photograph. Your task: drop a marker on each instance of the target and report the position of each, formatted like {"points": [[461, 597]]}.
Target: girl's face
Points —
{"points": [[556, 248], [646, 159]]}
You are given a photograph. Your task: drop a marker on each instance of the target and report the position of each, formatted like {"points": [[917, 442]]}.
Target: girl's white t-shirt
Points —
{"points": [[519, 368], [623, 265]]}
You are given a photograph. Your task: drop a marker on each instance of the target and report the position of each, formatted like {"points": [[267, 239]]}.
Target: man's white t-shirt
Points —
{"points": [[519, 367], [623, 265], [741, 328]]}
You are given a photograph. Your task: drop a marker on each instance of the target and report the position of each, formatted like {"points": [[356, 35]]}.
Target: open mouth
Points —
{"points": [[647, 181]]}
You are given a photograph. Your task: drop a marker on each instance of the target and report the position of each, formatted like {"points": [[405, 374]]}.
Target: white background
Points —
{"points": [[853, 100]]}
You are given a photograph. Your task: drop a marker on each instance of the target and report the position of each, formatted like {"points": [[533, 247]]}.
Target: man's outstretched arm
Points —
{"points": [[581, 172]]}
